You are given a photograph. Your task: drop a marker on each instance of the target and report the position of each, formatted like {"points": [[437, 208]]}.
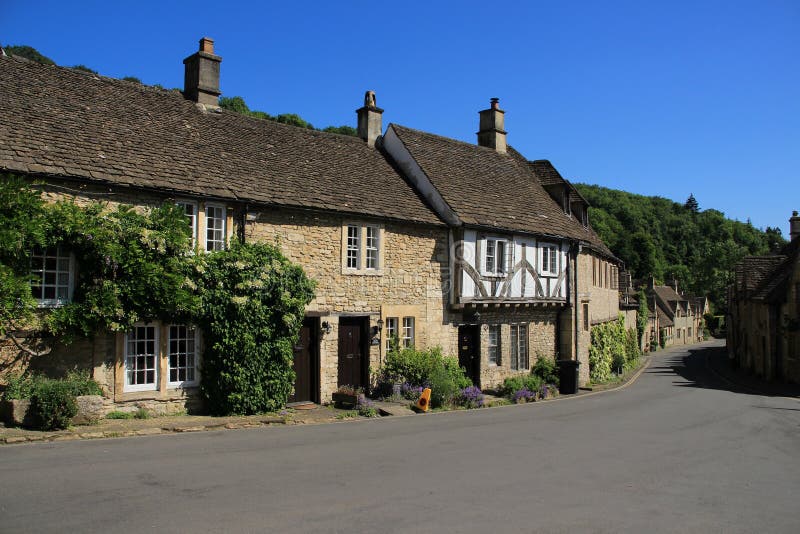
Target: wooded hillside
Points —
{"points": [[656, 236]]}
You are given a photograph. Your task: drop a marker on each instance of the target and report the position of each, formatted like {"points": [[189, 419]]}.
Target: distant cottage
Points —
{"points": [[764, 312]]}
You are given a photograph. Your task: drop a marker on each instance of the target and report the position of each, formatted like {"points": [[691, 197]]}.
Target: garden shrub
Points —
{"points": [[416, 369], [81, 383], [253, 304], [546, 369], [23, 386], [53, 404], [522, 388], [20, 386]]}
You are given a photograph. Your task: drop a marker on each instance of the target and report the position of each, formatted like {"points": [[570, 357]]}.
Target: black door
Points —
{"points": [[305, 363], [469, 353], [352, 352]]}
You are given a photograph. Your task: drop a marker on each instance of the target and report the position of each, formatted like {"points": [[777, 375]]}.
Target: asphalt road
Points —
{"points": [[676, 451]]}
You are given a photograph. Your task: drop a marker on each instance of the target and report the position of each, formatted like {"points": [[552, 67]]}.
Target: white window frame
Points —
{"points": [[39, 258], [353, 247], [192, 338], [407, 332], [128, 356], [495, 344], [362, 248], [217, 244], [372, 247], [500, 265], [192, 217], [391, 327], [552, 252]]}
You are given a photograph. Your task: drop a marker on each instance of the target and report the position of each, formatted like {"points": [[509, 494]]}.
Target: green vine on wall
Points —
{"points": [[136, 265], [613, 348]]}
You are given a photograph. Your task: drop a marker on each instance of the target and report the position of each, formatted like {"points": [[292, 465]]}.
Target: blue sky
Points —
{"points": [[657, 98]]}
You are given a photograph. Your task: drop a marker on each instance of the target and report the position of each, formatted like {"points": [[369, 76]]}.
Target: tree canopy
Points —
{"points": [[657, 237], [238, 105]]}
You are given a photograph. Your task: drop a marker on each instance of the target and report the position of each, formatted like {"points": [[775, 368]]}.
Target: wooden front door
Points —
{"points": [[306, 386], [469, 351], [353, 355]]}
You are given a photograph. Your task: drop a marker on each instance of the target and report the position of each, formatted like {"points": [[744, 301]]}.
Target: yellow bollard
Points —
{"points": [[424, 400]]}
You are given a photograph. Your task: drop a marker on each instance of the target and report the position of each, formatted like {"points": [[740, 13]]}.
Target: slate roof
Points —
{"points": [[60, 122], [774, 285], [751, 271], [488, 189]]}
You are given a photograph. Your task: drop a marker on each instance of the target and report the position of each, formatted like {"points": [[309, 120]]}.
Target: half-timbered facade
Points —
{"points": [[519, 252]]}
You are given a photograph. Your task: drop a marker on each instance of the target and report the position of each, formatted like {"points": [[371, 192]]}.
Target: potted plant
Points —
{"points": [[346, 396]]}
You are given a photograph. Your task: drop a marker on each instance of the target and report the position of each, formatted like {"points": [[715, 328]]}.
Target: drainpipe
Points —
{"points": [[576, 326]]}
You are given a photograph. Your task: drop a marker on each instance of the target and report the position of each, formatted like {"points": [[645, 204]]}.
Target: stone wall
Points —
{"points": [[600, 298], [412, 278], [541, 340]]}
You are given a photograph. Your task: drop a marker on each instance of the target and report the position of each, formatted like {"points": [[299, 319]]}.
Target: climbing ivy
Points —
{"points": [[253, 303], [136, 265], [613, 348]]}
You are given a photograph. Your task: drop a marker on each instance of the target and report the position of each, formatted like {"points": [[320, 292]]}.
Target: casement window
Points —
{"points": [[519, 347], [353, 246], [407, 337], [190, 209], [549, 259], [182, 355], [494, 344], [391, 334], [372, 246], [216, 227], [362, 249], [145, 361], [586, 317], [497, 256], [52, 275], [141, 355]]}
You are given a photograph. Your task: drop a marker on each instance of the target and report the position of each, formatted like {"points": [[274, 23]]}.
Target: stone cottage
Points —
{"points": [[764, 312], [334, 204], [679, 320]]}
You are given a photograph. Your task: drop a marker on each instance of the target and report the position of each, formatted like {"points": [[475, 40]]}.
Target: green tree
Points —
{"points": [[691, 204], [84, 68], [28, 52]]}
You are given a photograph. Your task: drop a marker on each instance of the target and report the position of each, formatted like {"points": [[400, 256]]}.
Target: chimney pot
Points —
{"points": [[207, 45]]}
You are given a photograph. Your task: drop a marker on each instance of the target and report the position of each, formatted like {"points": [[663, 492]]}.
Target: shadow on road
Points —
{"points": [[708, 367]]}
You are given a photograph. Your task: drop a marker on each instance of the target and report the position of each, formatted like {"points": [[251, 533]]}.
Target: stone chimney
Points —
{"points": [[794, 226], [201, 75], [492, 134], [370, 119]]}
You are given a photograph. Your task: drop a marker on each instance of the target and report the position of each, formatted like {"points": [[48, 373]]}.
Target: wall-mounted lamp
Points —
{"points": [[326, 327], [380, 324], [252, 216]]}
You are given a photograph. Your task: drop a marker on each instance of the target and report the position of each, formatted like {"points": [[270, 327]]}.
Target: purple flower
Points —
{"points": [[523, 395], [470, 397]]}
